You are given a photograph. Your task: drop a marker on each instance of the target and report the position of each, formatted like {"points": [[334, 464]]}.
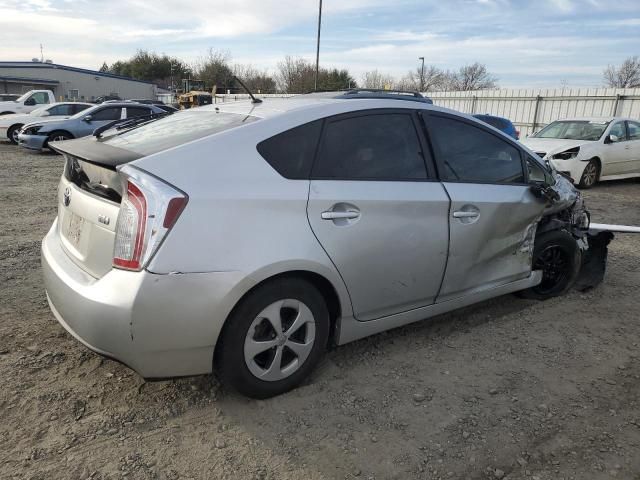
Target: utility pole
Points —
{"points": [[421, 75], [318, 46], [41, 54]]}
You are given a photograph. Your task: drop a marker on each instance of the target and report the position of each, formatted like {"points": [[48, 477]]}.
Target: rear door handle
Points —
{"points": [[463, 214], [331, 215]]}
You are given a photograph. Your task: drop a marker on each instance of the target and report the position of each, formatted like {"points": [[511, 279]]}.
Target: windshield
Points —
{"points": [[574, 130], [175, 130]]}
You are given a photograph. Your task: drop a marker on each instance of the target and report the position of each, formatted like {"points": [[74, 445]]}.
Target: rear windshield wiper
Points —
{"points": [[124, 123]]}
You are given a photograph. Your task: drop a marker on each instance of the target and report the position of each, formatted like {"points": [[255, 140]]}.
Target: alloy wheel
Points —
{"points": [[590, 174], [14, 134], [279, 340]]}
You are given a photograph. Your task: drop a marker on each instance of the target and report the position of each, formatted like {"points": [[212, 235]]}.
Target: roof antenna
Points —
{"points": [[253, 99]]}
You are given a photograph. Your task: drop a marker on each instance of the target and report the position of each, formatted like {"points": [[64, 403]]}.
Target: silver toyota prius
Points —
{"points": [[247, 238]]}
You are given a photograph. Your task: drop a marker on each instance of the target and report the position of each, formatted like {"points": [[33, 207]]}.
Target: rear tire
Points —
{"points": [[260, 360], [556, 253], [590, 174], [12, 133]]}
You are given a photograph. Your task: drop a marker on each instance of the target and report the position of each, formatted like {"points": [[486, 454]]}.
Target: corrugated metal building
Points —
{"points": [[70, 83]]}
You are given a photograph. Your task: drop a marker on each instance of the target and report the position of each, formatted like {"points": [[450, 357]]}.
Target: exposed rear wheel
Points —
{"points": [[556, 253], [13, 132], [274, 338], [590, 174]]}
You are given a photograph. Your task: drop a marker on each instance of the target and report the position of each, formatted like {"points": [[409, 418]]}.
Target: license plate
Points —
{"points": [[74, 231]]}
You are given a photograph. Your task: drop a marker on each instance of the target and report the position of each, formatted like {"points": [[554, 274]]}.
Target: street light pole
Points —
{"points": [[318, 46], [421, 74]]}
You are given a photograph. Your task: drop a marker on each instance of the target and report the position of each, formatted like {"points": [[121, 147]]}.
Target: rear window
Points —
{"points": [[176, 129]]}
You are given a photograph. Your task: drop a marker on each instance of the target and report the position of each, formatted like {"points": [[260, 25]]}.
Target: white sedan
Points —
{"points": [[590, 149], [11, 124]]}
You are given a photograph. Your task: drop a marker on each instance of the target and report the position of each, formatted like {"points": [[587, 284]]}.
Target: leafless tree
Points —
{"points": [[256, 81], [470, 77], [431, 80], [625, 76], [378, 80], [295, 75]]}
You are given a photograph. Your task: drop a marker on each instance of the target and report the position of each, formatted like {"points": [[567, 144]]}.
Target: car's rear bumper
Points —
{"points": [[159, 325], [32, 142]]}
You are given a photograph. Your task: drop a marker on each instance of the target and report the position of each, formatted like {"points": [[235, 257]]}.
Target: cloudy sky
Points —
{"points": [[541, 43]]}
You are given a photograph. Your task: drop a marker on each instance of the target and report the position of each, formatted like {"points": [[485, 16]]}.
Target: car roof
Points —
{"points": [[274, 106]]}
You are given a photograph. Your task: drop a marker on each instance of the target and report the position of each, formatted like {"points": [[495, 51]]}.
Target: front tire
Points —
{"points": [[13, 132], [58, 136], [590, 174], [556, 253], [274, 338]]}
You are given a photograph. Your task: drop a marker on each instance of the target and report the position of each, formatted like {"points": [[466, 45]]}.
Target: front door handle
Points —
{"points": [[465, 214], [332, 215]]}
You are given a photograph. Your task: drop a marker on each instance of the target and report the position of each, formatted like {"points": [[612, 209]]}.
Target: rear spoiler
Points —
{"points": [[90, 150]]}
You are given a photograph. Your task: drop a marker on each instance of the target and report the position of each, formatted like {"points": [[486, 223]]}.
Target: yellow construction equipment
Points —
{"points": [[194, 98]]}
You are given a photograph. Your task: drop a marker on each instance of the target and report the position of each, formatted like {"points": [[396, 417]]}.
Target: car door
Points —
{"points": [[633, 131], [99, 118], [378, 211], [615, 154], [493, 214]]}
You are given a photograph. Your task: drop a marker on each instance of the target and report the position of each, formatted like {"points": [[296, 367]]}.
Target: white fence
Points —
{"points": [[529, 110]]}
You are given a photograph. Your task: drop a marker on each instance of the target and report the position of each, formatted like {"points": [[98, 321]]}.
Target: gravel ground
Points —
{"points": [[509, 388]]}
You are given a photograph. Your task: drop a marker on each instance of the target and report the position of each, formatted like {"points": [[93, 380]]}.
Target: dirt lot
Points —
{"points": [[506, 389]]}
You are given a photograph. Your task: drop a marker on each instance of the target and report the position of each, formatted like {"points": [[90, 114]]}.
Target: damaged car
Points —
{"points": [[246, 238], [590, 150]]}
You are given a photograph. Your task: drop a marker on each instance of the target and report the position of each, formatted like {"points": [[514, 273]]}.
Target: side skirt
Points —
{"points": [[352, 329]]}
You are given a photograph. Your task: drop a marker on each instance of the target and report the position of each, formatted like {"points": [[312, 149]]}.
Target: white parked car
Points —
{"points": [[590, 149], [11, 124]]}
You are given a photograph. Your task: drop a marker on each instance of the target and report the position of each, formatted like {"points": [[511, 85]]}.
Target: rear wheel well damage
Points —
{"points": [[323, 285]]}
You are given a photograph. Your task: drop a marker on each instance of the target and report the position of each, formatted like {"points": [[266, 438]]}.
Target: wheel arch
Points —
{"points": [[61, 130], [327, 289]]}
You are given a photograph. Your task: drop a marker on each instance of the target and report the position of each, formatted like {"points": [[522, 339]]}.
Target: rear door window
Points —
{"points": [[133, 112], [291, 153], [61, 110], [109, 113], [381, 146], [467, 153]]}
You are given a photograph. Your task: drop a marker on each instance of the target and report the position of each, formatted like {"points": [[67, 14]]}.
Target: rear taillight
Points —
{"points": [[149, 208], [517, 134]]}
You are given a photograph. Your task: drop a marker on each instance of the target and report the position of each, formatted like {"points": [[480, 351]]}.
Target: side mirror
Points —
{"points": [[87, 118], [611, 138], [543, 191], [30, 102]]}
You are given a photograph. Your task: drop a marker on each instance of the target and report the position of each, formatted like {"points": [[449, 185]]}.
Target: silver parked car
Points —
{"points": [[37, 135], [248, 237]]}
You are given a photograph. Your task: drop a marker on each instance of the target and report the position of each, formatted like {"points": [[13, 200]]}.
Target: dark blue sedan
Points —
{"points": [[502, 124]]}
